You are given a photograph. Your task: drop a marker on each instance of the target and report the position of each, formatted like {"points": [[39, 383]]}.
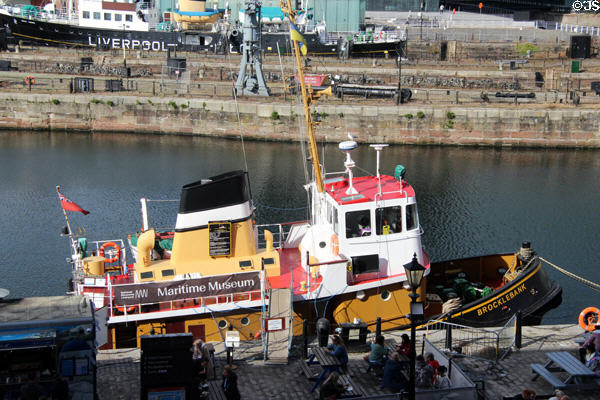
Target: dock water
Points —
{"points": [[119, 370]]}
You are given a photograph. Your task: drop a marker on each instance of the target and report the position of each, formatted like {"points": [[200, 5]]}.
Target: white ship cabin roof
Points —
{"points": [[118, 15]]}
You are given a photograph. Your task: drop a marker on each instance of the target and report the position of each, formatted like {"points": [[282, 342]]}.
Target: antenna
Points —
{"points": [[378, 148], [347, 147]]}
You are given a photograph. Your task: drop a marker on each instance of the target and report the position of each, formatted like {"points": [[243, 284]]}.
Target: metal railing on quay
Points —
{"points": [[484, 343]]}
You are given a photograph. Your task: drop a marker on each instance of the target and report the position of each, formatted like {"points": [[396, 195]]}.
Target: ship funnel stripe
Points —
{"points": [[200, 219]]}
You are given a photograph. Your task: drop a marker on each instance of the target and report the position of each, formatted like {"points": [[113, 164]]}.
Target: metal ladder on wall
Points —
{"points": [[278, 342]]}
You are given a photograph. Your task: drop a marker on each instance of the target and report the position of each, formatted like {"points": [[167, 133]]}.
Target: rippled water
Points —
{"points": [[472, 201]]}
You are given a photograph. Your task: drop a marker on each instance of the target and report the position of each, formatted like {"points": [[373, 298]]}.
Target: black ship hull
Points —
{"points": [[46, 33]]}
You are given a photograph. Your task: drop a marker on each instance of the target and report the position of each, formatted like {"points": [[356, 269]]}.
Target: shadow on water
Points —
{"points": [[472, 201]]}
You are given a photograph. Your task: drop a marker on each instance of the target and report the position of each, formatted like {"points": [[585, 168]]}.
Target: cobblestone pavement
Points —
{"points": [[119, 370]]}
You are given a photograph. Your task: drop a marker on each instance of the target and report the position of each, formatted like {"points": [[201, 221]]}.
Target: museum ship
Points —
{"points": [[346, 262], [129, 25]]}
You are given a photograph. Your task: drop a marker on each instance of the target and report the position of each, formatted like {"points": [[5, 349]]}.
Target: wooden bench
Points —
{"points": [[353, 390], [307, 370], [215, 391], [540, 370]]}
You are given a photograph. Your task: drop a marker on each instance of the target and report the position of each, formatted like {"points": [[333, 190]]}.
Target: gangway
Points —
{"points": [[278, 326]]}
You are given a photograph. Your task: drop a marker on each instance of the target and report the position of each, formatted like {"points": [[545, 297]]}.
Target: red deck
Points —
{"points": [[290, 265], [368, 186]]}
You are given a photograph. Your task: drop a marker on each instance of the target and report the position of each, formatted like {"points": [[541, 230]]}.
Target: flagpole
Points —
{"points": [[68, 223]]}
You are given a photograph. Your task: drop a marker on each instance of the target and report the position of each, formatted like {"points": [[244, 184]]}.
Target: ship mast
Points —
{"points": [[307, 97]]}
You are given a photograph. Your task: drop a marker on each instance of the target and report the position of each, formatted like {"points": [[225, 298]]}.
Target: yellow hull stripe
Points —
{"points": [[53, 41]]}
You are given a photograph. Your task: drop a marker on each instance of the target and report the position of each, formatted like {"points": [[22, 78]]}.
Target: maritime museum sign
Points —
{"points": [[186, 289]]}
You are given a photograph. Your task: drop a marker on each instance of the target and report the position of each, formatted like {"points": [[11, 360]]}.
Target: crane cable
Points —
{"points": [[571, 275]]}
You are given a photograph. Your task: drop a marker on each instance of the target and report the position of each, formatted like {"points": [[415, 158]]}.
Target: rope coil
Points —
{"points": [[571, 275]]}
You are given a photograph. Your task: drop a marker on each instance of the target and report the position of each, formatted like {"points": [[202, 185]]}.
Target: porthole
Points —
{"points": [[322, 245], [222, 324], [386, 295], [245, 321]]}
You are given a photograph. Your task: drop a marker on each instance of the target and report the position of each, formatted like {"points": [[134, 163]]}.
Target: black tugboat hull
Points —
{"points": [[63, 35], [532, 292]]}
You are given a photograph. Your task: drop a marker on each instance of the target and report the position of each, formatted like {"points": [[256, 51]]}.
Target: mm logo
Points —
{"points": [[501, 300]]}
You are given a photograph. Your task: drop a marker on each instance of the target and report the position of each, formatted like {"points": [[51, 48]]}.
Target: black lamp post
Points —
{"points": [[421, 18], [414, 275]]}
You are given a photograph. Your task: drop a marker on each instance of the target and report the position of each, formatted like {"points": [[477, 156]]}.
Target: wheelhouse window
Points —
{"points": [[118, 17], [358, 223], [412, 219], [388, 220], [86, 15], [336, 224], [96, 15], [107, 16], [128, 17]]}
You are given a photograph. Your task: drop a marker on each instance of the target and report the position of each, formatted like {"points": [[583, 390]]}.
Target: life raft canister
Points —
{"points": [[588, 319], [117, 251]]}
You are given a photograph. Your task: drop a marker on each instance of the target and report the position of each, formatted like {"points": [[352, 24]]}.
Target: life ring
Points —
{"points": [[30, 80], [588, 319], [335, 245], [117, 251], [129, 309]]}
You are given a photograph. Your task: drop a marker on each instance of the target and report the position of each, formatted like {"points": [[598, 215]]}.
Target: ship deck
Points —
{"points": [[292, 273]]}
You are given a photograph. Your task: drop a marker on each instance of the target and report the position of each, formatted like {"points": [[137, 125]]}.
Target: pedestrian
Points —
{"points": [[332, 388], [393, 378], [404, 346], [441, 8], [377, 354], [441, 380], [594, 339], [338, 349], [229, 384], [423, 374], [434, 364]]}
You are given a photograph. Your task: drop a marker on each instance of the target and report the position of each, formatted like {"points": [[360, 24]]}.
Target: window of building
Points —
{"points": [[358, 223], [86, 15], [128, 18], [107, 16], [412, 219], [96, 15], [118, 17], [388, 220]]}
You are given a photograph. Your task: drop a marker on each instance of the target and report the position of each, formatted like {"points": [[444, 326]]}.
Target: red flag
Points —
{"points": [[68, 205]]}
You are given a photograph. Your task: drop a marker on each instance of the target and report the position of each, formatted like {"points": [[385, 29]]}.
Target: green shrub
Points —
{"points": [[323, 114], [183, 106], [97, 101], [204, 105], [341, 115], [150, 102], [173, 105], [450, 115], [449, 124], [292, 115], [110, 103], [274, 116], [55, 101], [420, 115], [138, 102], [523, 48], [408, 116]]}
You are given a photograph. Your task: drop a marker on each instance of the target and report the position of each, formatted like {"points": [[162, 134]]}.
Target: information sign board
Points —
{"points": [[219, 239]]}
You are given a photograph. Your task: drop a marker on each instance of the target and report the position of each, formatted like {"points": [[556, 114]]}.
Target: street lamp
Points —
{"points": [[421, 18], [414, 275]]}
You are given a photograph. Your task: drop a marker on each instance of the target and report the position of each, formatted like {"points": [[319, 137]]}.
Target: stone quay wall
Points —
{"points": [[404, 124]]}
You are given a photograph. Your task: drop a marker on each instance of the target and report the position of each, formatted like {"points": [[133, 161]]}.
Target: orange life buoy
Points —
{"points": [[130, 309], [30, 80], [588, 319], [335, 245], [117, 251]]}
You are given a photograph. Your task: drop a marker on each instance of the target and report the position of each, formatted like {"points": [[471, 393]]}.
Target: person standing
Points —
{"points": [[229, 384], [423, 374]]}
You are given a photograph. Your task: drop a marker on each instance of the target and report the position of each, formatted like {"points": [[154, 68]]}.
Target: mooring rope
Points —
{"points": [[571, 275]]}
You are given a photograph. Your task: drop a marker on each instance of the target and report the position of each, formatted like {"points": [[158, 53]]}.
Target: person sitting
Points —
{"points": [[441, 380], [229, 384], [593, 339], [404, 347], [393, 378], [376, 358], [592, 359], [339, 351], [423, 374], [434, 364], [332, 388], [364, 227]]}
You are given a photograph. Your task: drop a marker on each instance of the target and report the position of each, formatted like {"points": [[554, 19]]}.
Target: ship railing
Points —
{"points": [[479, 343], [280, 233], [178, 304]]}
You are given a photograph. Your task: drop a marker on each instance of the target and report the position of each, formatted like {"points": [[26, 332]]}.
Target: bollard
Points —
{"points": [[378, 327], [518, 330], [449, 337], [304, 338]]}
